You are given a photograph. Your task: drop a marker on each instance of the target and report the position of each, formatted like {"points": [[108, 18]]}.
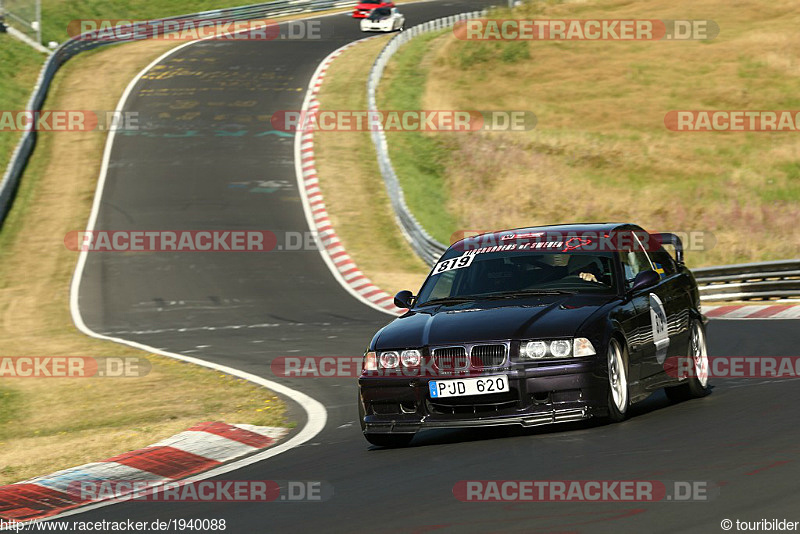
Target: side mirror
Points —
{"points": [[645, 279], [404, 299]]}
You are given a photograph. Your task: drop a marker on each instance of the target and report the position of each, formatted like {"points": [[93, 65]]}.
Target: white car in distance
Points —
{"points": [[383, 19]]}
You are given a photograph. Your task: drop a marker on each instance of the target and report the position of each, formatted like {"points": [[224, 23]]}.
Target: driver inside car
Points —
{"points": [[588, 268]]}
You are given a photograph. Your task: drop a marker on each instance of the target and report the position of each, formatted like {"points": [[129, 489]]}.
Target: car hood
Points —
{"points": [[548, 316], [381, 19]]}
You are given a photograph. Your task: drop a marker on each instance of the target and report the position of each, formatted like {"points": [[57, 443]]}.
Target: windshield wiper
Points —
{"points": [[526, 292], [447, 300]]}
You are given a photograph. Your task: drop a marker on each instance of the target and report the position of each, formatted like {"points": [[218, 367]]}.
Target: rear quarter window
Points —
{"points": [[663, 262]]}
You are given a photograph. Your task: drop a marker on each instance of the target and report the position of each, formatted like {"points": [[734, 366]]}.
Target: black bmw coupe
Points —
{"points": [[535, 326]]}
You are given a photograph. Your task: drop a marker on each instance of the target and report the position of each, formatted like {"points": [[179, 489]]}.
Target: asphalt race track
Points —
{"points": [[245, 309]]}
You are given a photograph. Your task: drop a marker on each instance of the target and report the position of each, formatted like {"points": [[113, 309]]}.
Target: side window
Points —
{"points": [[663, 263], [633, 262]]}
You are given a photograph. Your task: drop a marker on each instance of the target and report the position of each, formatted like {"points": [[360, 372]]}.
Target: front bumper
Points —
{"points": [[375, 28], [539, 395], [360, 13]]}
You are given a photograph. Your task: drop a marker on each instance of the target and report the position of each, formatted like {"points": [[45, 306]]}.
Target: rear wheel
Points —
{"points": [[697, 383], [618, 397]]}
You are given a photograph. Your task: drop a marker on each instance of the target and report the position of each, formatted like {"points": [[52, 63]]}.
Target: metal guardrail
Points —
{"points": [[420, 240], [746, 281], [74, 46]]}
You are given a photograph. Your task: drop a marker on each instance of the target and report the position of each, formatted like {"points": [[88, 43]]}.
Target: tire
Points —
{"points": [[696, 385], [389, 440], [618, 393]]}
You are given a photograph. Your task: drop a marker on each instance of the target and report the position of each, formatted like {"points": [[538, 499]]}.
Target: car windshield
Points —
{"points": [[478, 274], [371, 1], [380, 13]]}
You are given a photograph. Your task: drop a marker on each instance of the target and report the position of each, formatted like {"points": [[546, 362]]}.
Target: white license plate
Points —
{"points": [[464, 387]]}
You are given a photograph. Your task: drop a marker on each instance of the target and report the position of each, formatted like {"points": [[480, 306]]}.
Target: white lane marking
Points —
{"points": [[316, 414], [315, 411]]}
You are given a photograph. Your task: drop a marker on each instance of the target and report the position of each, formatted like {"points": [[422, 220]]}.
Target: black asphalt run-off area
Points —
{"points": [[245, 309]]}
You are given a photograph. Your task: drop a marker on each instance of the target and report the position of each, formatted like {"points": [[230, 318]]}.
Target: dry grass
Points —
{"points": [[600, 151], [49, 424], [351, 182]]}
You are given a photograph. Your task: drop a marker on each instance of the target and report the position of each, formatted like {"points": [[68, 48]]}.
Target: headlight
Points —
{"points": [[555, 348], [411, 358], [560, 348], [370, 362], [534, 350], [389, 360]]}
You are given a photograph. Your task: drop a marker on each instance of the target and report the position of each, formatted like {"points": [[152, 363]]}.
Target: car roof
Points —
{"points": [[572, 228]]}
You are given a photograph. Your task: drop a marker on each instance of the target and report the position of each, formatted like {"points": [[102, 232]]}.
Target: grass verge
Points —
{"points": [[420, 159], [53, 423], [351, 182], [600, 150], [57, 14]]}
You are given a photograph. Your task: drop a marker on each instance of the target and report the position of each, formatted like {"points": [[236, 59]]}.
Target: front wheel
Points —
{"points": [[618, 397]]}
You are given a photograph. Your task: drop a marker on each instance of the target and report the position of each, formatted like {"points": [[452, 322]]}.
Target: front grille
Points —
{"points": [[488, 355], [449, 359]]}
